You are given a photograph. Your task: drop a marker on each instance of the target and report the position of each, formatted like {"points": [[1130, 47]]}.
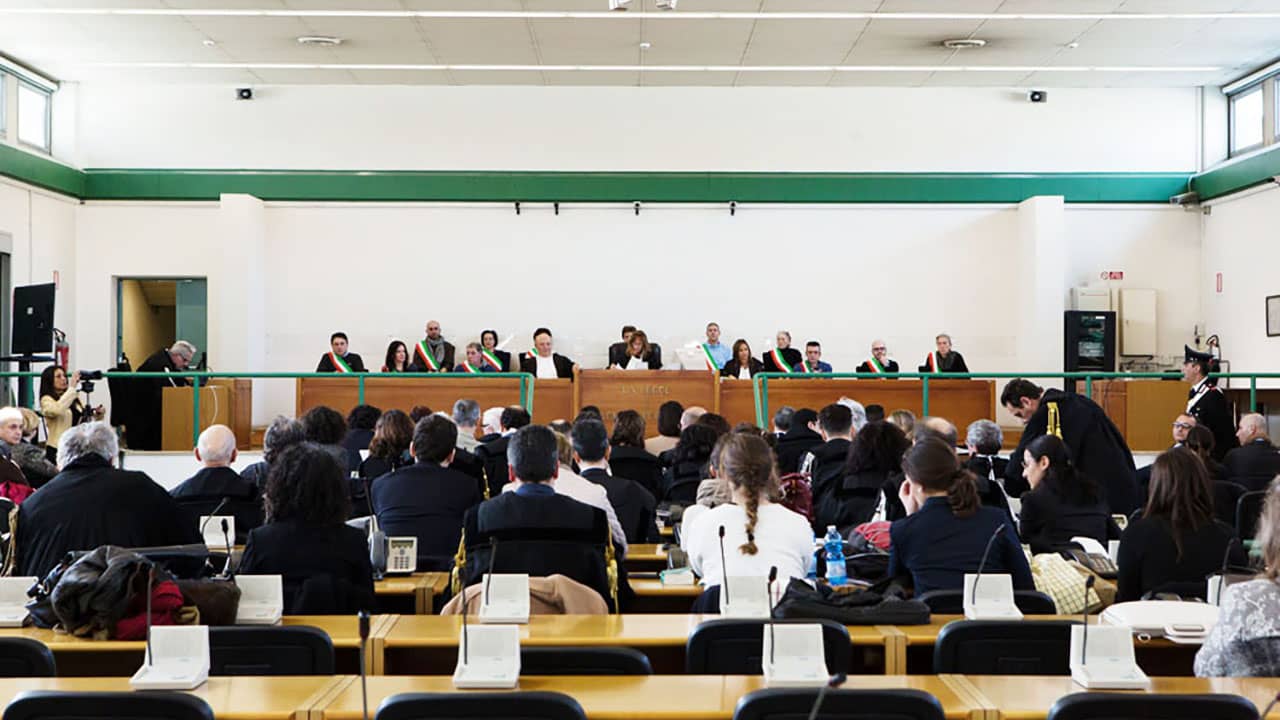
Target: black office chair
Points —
{"points": [[24, 657], [951, 602], [1226, 496], [583, 661], [791, 703], [684, 492], [55, 705], [475, 706], [1108, 706], [1248, 510], [735, 646], [1000, 647], [292, 650]]}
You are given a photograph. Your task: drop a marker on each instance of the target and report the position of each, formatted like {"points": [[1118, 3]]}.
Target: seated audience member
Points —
{"points": [[782, 420], [1175, 544], [1200, 441], [875, 413], [668, 428], [475, 361], [389, 449], [29, 459], [561, 426], [1243, 641], [589, 411], [280, 434], [758, 534], [983, 439], [397, 359], [688, 464], [639, 354], [1181, 426], [338, 359], [812, 362], [783, 357], [493, 454], [203, 492], [633, 504], [905, 420], [713, 491], [360, 424], [741, 365], [433, 353], [90, 503], [500, 359], [879, 362], [868, 485], [325, 427], [543, 363], [618, 350], [800, 439], [426, 499], [825, 463], [466, 415], [490, 425], [946, 530], [417, 412], [324, 561], [1063, 503], [627, 456], [690, 416], [1256, 461], [939, 428], [716, 422], [943, 359]]}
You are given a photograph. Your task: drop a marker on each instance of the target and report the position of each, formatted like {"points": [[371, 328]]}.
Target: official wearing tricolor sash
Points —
{"points": [[338, 360]]}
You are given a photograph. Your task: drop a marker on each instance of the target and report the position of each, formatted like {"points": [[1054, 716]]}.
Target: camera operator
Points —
{"points": [[143, 427], [61, 407]]}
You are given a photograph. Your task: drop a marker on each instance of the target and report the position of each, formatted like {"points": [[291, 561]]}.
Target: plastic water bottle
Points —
{"points": [[837, 573]]}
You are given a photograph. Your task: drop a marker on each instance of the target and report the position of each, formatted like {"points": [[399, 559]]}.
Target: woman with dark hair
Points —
{"points": [[627, 456], [1176, 543], [325, 427], [397, 360], [61, 407], [872, 475], [639, 354], [668, 435], [946, 531], [281, 433], [1200, 441], [689, 464], [501, 359], [324, 562], [1062, 503], [389, 449], [741, 365]]}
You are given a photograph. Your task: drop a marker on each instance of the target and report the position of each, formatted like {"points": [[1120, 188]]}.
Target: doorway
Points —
{"points": [[153, 313]]}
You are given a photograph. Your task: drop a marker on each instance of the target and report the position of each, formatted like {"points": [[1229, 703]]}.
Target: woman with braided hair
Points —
{"points": [[758, 534]]}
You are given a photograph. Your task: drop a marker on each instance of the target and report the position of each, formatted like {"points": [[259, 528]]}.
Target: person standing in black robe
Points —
{"points": [[143, 428], [1097, 447], [1207, 403], [944, 359]]}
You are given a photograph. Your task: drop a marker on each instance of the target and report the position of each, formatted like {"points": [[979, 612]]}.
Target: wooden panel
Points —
{"points": [[960, 401], [223, 401], [1142, 409], [644, 391], [1030, 697], [230, 698], [553, 400], [387, 392]]}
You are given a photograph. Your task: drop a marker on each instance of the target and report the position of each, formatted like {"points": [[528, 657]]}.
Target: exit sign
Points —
{"points": [[1111, 275]]}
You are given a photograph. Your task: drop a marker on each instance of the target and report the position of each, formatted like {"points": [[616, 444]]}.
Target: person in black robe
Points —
{"points": [[1097, 447], [879, 362], [791, 357], [564, 367], [944, 359], [1207, 403], [489, 341], [143, 429], [339, 344], [618, 350]]}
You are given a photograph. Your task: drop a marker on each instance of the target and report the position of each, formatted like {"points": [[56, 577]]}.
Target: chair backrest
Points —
{"points": [[583, 661], [684, 492], [791, 703], [999, 647], [55, 705], [1226, 495], [578, 555], [1248, 510], [1108, 706], [24, 657], [292, 650], [456, 706], [951, 602], [736, 646], [247, 512]]}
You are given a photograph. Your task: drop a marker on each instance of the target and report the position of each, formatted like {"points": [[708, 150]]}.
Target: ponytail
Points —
{"points": [[962, 496]]}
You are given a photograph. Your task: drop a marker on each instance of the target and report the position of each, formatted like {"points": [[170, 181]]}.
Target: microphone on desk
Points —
{"points": [[465, 656], [377, 538], [364, 640], [832, 682], [1270, 705], [212, 513], [973, 592], [226, 538], [768, 603], [724, 570], [1084, 616], [488, 578], [151, 576]]}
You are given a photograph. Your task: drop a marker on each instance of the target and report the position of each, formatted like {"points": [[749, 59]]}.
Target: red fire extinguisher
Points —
{"points": [[61, 350]]}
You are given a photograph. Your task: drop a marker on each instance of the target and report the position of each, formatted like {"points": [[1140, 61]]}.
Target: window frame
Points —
{"points": [[4, 105], [1259, 87], [47, 148]]}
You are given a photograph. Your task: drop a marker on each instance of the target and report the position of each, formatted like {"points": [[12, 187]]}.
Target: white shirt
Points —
{"points": [[546, 367], [636, 363], [570, 484], [744, 373], [783, 540]]}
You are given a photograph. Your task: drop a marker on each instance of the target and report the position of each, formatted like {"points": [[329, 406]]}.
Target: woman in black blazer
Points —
{"points": [[324, 562], [1062, 503], [639, 349], [489, 341], [741, 360]]}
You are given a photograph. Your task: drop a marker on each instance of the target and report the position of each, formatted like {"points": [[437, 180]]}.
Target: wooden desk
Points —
{"points": [[662, 697], [960, 401], [224, 401], [645, 390], [413, 593], [646, 556], [652, 597], [1030, 697], [1144, 410], [231, 698], [341, 392]]}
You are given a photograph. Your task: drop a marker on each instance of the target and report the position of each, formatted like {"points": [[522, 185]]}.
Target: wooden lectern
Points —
{"points": [[222, 402]]}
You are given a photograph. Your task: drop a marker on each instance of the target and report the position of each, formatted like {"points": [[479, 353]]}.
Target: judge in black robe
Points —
{"points": [[353, 360], [944, 359], [880, 354], [145, 419], [1207, 403], [790, 355], [489, 341]]}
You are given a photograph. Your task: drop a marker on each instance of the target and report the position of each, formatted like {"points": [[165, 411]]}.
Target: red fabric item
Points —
{"points": [[796, 494], [17, 492], [166, 599], [876, 533]]}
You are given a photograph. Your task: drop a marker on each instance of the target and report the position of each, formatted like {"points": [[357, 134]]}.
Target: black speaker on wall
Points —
{"points": [[1089, 341], [33, 319]]}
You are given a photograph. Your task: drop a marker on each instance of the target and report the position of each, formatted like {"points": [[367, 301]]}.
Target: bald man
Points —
{"points": [[216, 481], [1256, 462], [433, 353], [879, 362]]}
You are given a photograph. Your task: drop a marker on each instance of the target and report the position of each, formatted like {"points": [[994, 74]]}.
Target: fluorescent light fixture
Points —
{"points": [[668, 68], [1251, 78]]}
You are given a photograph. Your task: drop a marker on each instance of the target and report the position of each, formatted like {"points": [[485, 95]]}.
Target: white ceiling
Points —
{"points": [[96, 46]]}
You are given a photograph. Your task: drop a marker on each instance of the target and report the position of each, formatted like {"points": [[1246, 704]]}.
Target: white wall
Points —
{"points": [[43, 228], [627, 128]]}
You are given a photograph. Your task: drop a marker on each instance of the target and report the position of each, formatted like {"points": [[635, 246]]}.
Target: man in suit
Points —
{"points": [[1181, 426], [797, 441], [1097, 447], [546, 364], [825, 463], [944, 359], [812, 362], [1206, 403], [427, 499], [216, 482], [1256, 462], [618, 350], [433, 353], [142, 427], [783, 357], [879, 362], [475, 362], [338, 359], [493, 454], [633, 504]]}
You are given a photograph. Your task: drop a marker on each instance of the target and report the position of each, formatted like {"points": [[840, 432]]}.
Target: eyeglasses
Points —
{"points": [[878, 349], [1182, 426]]}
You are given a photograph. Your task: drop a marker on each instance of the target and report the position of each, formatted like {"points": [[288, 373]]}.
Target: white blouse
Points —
{"points": [[546, 367], [784, 540]]}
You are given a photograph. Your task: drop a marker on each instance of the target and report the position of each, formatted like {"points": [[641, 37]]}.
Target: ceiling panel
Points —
{"points": [[701, 79], [584, 42], [948, 6], [879, 79], [697, 42], [750, 79], [983, 79], [802, 43], [592, 78], [304, 77], [518, 77], [402, 77], [480, 42], [1055, 6]]}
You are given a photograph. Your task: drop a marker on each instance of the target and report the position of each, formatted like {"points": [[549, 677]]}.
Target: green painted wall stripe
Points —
{"points": [[41, 172], [1238, 176]]}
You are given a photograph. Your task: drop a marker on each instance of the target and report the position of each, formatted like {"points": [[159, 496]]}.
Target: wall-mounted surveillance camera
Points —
{"points": [[1038, 96]]}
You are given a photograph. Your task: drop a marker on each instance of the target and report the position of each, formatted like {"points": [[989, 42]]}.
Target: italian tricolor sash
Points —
{"points": [[776, 354], [804, 367], [876, 367], [468, 367], [428, 359], [339, 365], [492, 358], [533, 353], [711, 361], [932, 363]]}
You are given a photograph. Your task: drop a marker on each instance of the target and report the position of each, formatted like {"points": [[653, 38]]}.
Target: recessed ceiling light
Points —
{"points": [[320, 40], [964, 44], [646, 45]]}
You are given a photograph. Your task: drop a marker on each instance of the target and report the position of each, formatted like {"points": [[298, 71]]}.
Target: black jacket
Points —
{"points": [[639, 465], [426, 501], [90, 504], [731, 368], [353, 361], [793, 445], [493, 458], [326, 569], [374, 466], [564, 366], [791, 356], [143, 422], [952, 363], [1049, 522], [504, 360], [633, 505], [1213, 411], [1254, 465], [852, 499], [827, 468], [1149, 560], [203, 492], [354, 442], [618, 356], [418, 365], [864, 368]]}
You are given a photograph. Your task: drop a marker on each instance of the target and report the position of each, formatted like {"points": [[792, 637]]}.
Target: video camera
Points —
{"points": [[86, 379]]}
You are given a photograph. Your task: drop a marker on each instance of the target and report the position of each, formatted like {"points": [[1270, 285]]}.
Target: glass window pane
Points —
{"points": [[4, 109], [33, 117], [1246, 120]]}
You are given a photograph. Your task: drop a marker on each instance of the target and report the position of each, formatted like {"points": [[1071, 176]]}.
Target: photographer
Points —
{"points": [[61, 407]]}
